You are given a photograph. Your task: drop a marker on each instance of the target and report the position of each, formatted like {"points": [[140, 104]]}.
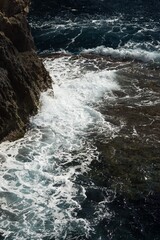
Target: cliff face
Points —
{"points": [[22, 74]]}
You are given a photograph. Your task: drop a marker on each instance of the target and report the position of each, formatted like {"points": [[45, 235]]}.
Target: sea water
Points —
{"points": [[88, 166]]}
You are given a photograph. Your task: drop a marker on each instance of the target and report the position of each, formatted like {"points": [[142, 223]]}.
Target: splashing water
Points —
{"points": [[40, 191]]}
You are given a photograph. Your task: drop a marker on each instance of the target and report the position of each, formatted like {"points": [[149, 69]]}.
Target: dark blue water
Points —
{"points": [[89, 167], [77, 25], [120, 31]]}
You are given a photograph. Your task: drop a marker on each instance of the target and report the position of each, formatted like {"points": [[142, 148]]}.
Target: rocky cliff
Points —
{"points": [[22, 74]]}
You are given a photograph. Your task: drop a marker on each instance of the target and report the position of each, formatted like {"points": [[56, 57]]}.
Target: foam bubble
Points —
{"points": [[40, 194]]}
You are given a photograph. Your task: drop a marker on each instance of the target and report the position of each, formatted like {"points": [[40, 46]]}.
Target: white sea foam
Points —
{"points": [[126, 53], [40, 194]]}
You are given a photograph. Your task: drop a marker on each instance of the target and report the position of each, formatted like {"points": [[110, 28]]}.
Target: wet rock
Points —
{"points": [[22, 74]]}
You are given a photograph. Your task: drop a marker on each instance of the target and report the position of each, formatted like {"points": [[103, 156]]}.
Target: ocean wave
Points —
{"points": [[123, 53]]}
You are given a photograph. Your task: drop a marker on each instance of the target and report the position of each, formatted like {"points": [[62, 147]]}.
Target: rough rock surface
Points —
{"points": [[22, 74]]}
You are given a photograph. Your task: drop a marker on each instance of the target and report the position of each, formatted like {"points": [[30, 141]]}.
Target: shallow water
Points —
{"points": [[88, 166]]}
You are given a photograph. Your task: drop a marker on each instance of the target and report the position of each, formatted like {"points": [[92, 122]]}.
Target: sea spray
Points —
{"points": [[40, 193], [125, 53]]}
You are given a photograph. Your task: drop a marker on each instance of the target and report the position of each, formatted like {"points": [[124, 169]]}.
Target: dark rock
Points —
{"points": [[22, 74]]}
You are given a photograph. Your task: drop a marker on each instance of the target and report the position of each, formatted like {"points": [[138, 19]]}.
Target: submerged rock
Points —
{"points": [[22, 74]]}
